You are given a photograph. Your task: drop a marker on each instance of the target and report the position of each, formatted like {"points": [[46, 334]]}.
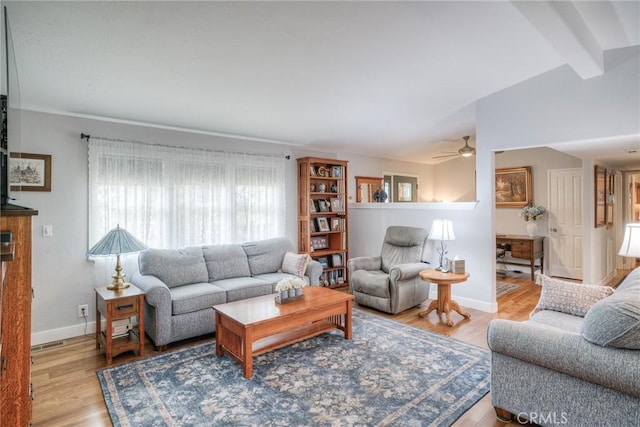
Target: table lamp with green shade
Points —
{"points": [[117, 242]]}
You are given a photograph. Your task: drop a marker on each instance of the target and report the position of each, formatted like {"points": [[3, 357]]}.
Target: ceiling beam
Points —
{"points": [[563, 26]]}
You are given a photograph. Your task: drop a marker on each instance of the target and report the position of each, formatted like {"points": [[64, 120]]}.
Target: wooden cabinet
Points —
{"points": [[322, 216], [114, 306], [523, 247], [15, 367]]}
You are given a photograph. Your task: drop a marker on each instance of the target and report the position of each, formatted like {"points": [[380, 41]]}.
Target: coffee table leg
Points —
{"points": [[347, 322], [219, 335], [247, 355]]}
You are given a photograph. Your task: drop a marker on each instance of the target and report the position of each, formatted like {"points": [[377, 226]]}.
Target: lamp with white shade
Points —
{"points": [[441, 229], [631, 241], [116, 242]]}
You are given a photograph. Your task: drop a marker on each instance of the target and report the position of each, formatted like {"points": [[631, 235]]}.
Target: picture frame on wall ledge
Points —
{"points": [[513, 187], [29, 172], [609, 197], [600, 194]]}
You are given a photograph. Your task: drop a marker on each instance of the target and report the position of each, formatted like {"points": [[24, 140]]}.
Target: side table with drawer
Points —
{"points": [[114, 306]]}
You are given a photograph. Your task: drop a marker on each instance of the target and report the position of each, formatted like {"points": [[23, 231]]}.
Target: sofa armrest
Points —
{"points": [[406, 271], [313, 272], [568, 353], [156, 292], [364, 263]]}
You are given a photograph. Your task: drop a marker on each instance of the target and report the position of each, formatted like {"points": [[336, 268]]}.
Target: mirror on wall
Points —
{"points": [[366, 187]]}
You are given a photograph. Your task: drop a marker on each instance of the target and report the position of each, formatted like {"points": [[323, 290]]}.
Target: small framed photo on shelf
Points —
{"points": [[312, 226], [324, 261], [324, 206], [319, 242], [312, 206], [312, 171], [336, 171], [336, 260], [323, 224], [336, 205], [336, 224]]}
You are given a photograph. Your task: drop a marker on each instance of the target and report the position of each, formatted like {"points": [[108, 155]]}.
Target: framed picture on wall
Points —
{"points": [[513, 187], [609, 196], [600, 194], [323, 224], [30, 172]]}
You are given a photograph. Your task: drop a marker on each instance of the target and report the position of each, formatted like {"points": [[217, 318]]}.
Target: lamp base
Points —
{"points": [[118, 283], [118, 286]]}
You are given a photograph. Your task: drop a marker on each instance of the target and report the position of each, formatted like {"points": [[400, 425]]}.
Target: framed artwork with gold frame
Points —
{"points": [[513, 187]]}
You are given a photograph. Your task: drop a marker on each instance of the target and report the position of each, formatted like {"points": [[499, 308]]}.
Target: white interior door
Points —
{"points": [[565, 223]]}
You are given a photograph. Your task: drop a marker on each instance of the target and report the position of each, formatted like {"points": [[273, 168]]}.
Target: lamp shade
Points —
{"points": [[441, 229], [117, 241], [631, 241]]}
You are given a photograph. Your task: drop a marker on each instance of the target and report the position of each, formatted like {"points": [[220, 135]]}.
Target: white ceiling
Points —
{"points": [[391, 79]]}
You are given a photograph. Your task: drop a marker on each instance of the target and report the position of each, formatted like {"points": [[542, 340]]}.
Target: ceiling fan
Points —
{"points": [[466, 151]]}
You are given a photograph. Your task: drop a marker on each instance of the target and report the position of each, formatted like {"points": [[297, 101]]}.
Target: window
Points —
{"points": [[171, 197], [401, 188]]}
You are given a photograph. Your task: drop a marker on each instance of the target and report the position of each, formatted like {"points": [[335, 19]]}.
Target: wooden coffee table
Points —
{"points": [[253, 326]]}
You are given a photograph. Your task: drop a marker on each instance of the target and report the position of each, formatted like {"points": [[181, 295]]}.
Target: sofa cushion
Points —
{"points": [[568, 297], [244, 287], [225, 262], [265, 256], [374, 282], [556, 319], [615, 320], [194, 297], [175, 267], [295, 264]]}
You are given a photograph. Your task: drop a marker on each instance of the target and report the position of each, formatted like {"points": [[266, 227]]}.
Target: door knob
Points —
{"points": [[554, 229]]}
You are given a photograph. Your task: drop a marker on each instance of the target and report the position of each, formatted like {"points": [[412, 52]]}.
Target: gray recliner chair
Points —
{"points": [[390, 282]]}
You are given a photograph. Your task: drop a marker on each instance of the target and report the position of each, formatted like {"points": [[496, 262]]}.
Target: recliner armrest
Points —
{"points": [[566, 352], [406, 271], [364, 263]]}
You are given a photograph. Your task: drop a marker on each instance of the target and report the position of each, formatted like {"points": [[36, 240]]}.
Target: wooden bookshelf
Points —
{"points": [[322, 216]]}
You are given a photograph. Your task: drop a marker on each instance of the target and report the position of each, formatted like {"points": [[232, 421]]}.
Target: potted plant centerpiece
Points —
{"points": [[290, 287], [531, 214]]}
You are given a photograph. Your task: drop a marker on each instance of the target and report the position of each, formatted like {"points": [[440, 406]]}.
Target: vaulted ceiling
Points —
{"points": [[391, 79]]}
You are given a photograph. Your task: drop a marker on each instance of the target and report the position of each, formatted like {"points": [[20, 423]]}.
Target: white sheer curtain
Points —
{"points": [[172, 197]]}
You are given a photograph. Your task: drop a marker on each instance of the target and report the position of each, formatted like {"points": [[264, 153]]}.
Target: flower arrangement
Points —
{"points": [[290, 283], [532, 212]]}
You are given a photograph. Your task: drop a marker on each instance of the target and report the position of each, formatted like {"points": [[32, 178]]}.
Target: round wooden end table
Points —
{"points": [[444, 303]]}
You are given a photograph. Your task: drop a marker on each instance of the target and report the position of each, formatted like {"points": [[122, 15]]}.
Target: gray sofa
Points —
{"points": [[182, 285], [558, 368]]}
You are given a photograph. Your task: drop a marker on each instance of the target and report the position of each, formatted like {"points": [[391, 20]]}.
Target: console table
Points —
{"points": [[524, 247]]}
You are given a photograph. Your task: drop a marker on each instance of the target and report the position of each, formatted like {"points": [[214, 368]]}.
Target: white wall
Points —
{"points": [[455, 180], [558, 106]]}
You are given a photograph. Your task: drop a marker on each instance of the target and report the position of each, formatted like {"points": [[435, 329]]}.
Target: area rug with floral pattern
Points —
{"points": [[388, 374]]}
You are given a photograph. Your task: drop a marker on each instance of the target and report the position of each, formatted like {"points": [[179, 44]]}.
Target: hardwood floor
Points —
{"points": [[67, 392]]}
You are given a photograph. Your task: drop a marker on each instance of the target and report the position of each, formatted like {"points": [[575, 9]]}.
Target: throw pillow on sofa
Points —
{"points": [[615, 321], [295, 263], [568, 297]]}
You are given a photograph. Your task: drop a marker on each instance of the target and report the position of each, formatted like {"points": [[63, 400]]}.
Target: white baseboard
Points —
{"points": [[467, 302], [63, 333]]}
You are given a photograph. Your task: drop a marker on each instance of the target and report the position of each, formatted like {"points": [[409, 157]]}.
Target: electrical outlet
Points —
{"points": [[83, 311]]}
